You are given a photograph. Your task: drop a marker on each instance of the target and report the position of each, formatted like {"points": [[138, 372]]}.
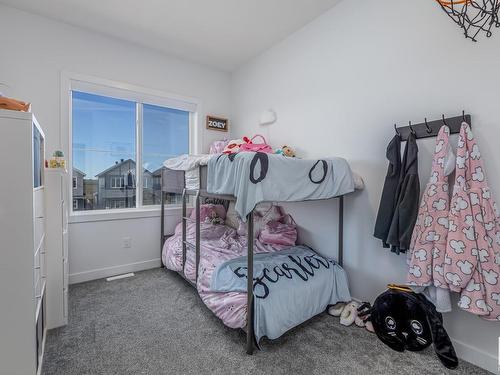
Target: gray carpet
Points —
{"points": [[155, 323]]}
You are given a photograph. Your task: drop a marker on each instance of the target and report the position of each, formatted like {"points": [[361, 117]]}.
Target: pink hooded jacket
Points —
{"points": [[472, 260], [428, 243]]}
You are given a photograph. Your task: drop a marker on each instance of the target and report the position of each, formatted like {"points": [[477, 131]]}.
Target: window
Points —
{"points": [[165, 135], [117, 182], [111, 136]]}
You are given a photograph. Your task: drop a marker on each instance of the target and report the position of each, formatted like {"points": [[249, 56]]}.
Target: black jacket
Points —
{"points": [[408, 195], [389, 193]]}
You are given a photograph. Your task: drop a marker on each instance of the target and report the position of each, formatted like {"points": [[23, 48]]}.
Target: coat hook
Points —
{"points": [[411, 128], [444, 121], [397, 131], [429, 130]]}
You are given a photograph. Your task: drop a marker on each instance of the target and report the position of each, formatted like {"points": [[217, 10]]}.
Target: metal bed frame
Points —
{"points": [[167, 187]]}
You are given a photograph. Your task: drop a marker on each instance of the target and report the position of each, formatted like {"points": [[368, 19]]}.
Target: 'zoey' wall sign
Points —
{"points": [[217, 123]]}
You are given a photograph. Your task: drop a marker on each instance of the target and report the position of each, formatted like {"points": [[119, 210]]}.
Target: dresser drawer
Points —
{"points": [[38, 201], [37, 282], [65, 245], [39, 231], [64, 215], [43, 262], [65, 302], [65, 273], [36, 260]]}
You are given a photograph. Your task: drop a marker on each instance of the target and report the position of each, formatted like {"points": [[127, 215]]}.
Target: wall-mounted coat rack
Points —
{"points": [[429, 129]]}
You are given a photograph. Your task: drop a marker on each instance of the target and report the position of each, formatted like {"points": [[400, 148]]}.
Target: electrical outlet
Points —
{"points": [[127, 242]]}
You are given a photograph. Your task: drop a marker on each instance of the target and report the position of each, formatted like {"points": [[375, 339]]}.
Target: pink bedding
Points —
{"points": [[219, 243]]}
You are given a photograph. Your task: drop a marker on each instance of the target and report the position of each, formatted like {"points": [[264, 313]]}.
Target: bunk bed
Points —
{"points": [[319, 172]]}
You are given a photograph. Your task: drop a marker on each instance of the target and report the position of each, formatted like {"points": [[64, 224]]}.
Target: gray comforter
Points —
{"points": [[290, 287], [258, 177]]}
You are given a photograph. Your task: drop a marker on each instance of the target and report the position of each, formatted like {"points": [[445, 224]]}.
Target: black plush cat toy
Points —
{"points": [[406, 320]]}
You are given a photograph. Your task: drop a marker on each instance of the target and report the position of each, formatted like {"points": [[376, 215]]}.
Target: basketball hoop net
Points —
{"points": [[473, 16]]}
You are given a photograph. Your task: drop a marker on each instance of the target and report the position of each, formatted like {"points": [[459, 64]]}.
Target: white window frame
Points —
{"points": [[74, 182], [75, 204], [77, 82], [121, 183]]}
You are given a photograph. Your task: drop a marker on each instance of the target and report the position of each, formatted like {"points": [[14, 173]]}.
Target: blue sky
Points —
{"points": [[104, 132]]}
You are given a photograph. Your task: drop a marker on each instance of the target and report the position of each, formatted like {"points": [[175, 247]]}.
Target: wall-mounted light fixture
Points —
{"points": [[268, 117]]}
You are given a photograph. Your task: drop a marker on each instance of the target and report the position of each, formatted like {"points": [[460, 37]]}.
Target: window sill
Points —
{"points": [[123, 214]]}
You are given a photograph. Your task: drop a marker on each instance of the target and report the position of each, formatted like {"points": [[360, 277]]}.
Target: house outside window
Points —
{"points": [[119, 146]]}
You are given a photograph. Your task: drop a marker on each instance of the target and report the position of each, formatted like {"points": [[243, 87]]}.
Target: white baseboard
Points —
{"points": [[102, 273], [476, 357]]}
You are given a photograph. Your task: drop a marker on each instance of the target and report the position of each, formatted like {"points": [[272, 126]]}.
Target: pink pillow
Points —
{"points": [[279, 232], [209, 211]]}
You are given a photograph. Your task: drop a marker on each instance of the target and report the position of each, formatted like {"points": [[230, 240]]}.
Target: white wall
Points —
{"points": [[338, 86], [33, 53]]}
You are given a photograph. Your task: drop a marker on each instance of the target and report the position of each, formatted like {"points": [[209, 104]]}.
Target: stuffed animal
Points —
{"points": [[286, 151], [214, 219]]}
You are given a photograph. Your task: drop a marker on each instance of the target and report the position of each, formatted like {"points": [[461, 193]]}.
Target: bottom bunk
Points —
{"points": [[291, 283]]}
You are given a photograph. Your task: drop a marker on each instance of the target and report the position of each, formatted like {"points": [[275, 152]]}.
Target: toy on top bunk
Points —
{"points": [[249, 144], [286, 151]]}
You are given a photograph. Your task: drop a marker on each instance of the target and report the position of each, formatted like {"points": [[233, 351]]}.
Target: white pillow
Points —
{"points": [[232, 218], [263, 213]]}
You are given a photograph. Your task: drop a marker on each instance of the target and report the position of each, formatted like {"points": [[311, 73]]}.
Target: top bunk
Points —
{"points": [[250, 178]]}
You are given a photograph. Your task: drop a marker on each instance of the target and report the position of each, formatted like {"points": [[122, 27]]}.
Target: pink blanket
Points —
{"points": [[219, 243]]}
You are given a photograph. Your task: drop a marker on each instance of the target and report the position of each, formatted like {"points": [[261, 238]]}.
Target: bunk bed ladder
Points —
{"points": [[341, 232], [184, 228], [162, 224], [198, 233], [250, 333], [185, 218]]}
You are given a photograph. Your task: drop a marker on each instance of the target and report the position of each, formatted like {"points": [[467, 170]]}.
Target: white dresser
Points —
{"points": [[23, 271], [56, 193]]}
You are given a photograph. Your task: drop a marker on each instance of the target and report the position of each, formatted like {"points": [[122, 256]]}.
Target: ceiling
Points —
{"points": [[220, 33]]}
